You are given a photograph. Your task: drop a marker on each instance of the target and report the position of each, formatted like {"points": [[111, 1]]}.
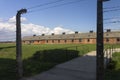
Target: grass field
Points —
{"points": [[9, 50], [37, 58]]}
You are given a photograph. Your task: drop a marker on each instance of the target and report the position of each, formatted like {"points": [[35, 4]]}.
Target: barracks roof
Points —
{"points": [[111, 34]]}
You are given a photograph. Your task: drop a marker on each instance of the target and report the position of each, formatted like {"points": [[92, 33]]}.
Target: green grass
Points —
{"points": [[113, 73], [44, 60], [29, 50], [37, 58]]}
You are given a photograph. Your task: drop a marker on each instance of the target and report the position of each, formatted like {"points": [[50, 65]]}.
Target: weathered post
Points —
{"points": [[18, 43], [100, 45]]}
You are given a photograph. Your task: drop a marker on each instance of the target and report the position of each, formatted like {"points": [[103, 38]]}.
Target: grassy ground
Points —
{"points": [[37, 58], [9, 50], [28, 50], [113, 73]]}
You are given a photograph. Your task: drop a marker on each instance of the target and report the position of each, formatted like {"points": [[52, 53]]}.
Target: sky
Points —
{"points": [[61, 16]]}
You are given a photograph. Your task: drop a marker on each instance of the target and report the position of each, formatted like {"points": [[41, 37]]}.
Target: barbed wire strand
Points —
{"points": [[54, 6], [48, 3], [111, 18], [111, 10], [111, 7]]}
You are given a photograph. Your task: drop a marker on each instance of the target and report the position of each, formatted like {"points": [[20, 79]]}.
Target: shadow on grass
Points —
{"points": [[7, 69], [39, 62], [44, 60]]}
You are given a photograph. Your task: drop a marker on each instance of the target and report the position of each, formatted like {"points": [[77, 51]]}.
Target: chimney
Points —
{"points": [[91, 31], [63, 33], [43, 34], [108, 30], [34, 35], [76, 32], [52, 34]]}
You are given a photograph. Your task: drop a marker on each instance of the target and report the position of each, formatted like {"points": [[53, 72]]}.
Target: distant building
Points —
{"points": [[110, 37]]}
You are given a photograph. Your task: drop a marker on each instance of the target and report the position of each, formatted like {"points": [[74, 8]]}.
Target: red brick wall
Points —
{"points": [[74, 41]]}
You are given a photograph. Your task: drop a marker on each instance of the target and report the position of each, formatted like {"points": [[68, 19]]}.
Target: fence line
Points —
{"points": [[108, 52]]}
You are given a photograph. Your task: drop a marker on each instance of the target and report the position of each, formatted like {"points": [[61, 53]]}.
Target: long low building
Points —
{"points": [[110, 37]]}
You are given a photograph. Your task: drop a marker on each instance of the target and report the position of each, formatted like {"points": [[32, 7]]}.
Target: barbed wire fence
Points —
{"points": [[28, 50]]}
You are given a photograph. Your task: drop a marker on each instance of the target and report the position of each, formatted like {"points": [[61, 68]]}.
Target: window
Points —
{"points": [[118, 39], [58, 41], [88, 40], [72, 40], [80, 40], [52, 41], [46, 41], [107, 40], [38, 41], [65, 41]]}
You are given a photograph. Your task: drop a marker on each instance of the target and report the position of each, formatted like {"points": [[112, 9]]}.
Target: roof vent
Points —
{"points": [[34, 35], [91, 31], [43, 34], [108, 30], [52, 34], [76, 32], [63, 33]]}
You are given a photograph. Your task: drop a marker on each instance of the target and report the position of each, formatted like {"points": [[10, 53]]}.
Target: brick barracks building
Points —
{"points": [[110, 37]]}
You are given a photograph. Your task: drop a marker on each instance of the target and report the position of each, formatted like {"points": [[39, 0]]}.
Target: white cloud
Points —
{"points": [[59, 30], [37, 29], [13, 19], [7, 29], [7, 26]]}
